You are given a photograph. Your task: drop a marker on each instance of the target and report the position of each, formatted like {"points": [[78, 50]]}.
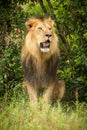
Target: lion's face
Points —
{"points": [[44, 37], [41, 31]]}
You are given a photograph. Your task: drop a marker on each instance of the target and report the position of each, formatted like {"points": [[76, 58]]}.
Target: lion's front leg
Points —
{"points": [[32, 92], [58, 91], [48, 94]]}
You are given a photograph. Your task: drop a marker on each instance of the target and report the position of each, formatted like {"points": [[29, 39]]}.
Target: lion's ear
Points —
{"points": [[28, 24]]}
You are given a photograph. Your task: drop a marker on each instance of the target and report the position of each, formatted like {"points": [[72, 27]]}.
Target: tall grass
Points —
{"points": [[22, 115]]}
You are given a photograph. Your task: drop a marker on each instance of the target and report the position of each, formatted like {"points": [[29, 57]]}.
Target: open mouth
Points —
{"points": [[45, 46]]}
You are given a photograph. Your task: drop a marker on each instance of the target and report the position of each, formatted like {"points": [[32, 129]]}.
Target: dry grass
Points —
{"points": [[23, 115]]}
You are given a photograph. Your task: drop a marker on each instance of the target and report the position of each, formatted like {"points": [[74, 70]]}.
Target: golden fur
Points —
{"points": [[39, 57]]}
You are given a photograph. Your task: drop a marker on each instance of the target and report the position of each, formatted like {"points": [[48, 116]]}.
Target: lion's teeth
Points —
{"points": [[44, 49]]}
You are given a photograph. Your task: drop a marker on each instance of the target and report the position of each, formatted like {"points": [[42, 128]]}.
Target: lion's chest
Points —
{"points": [[39, 72]]}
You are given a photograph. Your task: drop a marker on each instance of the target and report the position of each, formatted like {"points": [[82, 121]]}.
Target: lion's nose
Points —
{"points": [[48, 35]]}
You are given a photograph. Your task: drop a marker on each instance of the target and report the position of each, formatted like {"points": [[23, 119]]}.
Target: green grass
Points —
{"points": [[22, 115]]}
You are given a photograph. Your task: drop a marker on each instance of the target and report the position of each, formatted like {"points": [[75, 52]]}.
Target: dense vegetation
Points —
{"points": [[71, 25]]}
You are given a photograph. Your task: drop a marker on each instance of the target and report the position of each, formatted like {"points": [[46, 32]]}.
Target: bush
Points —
{"points": [[10, 64]]}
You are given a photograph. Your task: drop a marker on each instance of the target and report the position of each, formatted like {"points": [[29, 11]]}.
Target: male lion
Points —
{"points": [[39, 56]]}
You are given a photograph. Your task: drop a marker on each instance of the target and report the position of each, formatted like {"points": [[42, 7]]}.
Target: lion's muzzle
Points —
{"points": [[45, 46]]}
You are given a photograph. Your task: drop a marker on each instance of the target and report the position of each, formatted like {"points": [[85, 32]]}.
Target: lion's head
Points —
{"points": [[41, 35]]}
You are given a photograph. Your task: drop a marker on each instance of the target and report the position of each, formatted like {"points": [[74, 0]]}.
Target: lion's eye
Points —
{"points": [[49, 28], [40, 28]]}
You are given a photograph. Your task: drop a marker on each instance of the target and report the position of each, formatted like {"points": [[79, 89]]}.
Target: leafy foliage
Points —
{"points": [[11, 72], [72, 18]]}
